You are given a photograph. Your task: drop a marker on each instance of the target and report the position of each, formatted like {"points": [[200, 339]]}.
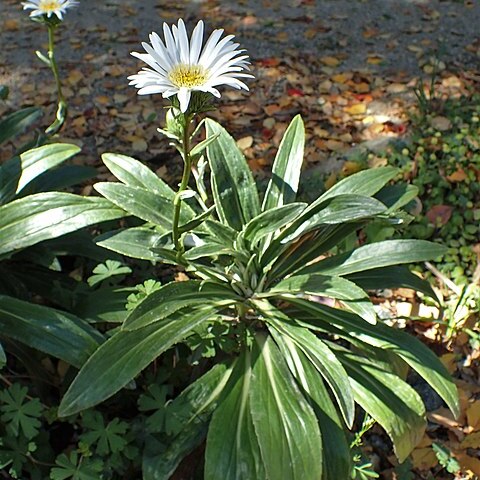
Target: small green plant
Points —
{"points": [[275, 302]]}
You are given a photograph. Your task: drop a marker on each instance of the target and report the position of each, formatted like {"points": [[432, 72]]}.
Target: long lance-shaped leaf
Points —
{"points": [[233, 186], [18, 172], [177, 295], [397, 196], [192, 409], [281, 260], [285, 423], [125, 355], [44, 216], [16, 122], [321, 357], [142, 203], [391, 277], [270, 221], [336, 210], [59, 178], [3, 357], [377, 255], [282, 187], [394, 404], [336, 451], [409, 348], [233, 451], [51, 331], [133, 173], [325, 286], [367, 182], [132, 242]]}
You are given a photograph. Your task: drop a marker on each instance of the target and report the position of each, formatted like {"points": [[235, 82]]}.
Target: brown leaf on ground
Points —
{"points": [[439, 215]]}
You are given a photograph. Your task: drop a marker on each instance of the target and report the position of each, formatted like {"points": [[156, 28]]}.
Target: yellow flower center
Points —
{"points": [[48, 6], [188, 76]]}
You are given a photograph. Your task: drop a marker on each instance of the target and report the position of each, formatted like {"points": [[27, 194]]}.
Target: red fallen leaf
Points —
{"points": [[295, 92], [267, 133], [269, 62], [439, 214], [363, 97], [398, 128]]}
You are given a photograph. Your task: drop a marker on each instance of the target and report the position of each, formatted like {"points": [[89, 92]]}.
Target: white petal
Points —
{"points": [[151, 89], [196, 43], [182, 38], [161, 50], [210, 45], [184, 99], [170, 43]]}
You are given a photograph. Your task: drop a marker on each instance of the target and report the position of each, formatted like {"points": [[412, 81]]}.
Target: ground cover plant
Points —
{"points": [[263, 358]]}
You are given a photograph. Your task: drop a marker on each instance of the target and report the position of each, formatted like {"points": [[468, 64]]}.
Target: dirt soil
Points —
{"points": [[347, 66]]}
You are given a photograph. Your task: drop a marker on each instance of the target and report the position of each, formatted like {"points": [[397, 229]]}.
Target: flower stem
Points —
{"points": [[187, 168], [62, 105]]}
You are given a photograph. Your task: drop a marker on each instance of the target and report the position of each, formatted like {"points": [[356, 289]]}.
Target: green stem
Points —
{"points": [[187, 168], [62, 105]]}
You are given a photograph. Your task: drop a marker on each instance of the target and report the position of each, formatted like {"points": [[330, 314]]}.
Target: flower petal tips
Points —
{"points": [[49, 7], [179, 65]]}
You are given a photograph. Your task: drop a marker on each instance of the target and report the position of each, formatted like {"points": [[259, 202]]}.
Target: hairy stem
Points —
{"points": [[187, 168], [61, 114]]}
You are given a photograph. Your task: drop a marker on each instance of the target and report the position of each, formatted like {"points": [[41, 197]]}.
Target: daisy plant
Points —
{"points": [[50, 12], [277, 291]]}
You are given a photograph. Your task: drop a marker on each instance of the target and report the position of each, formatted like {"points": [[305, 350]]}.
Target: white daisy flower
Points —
{"points": [[49, 7], [180, 66]]}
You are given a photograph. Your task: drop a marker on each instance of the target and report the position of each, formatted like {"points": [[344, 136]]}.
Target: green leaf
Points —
{"points": [[333, 287], [397, 196], [198, 149], [280, 260], [283, 186], [106, 439], [17, 173], [208, 250], [322, 358], [391, 277], [177, 295], [389, 400], [107, 270], [132, 242], [148, 206], [133, 173], [4, 92], [191, 410], [446, 459], [3, 357], [409, 348], [337, 210], [75, 468], [59, 178], [19, 414], [15, 123], [233, 450], [368, 183], [270, 221], [285, 424], [125, 355], [337, 462], [377, 255], [44, 216], [106, 304], [221, 233], [233, 186], [57, 333]]}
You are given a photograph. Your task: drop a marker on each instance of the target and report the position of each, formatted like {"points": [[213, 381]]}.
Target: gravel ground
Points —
{"points": [[383, 42], [397, 31]]}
